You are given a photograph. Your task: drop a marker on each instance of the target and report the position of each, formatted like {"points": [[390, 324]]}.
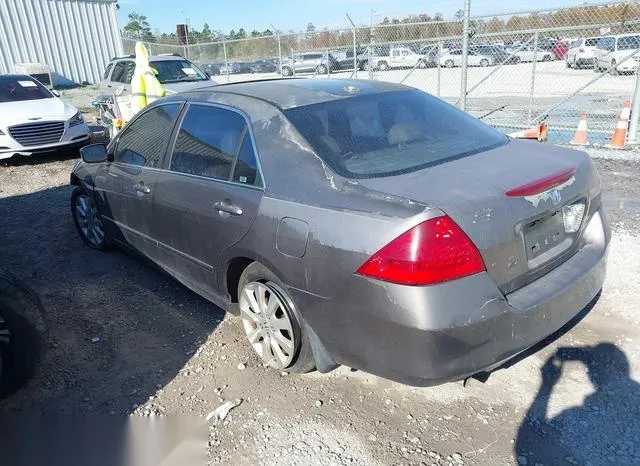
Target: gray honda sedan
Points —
{"points": [[350, 222]]}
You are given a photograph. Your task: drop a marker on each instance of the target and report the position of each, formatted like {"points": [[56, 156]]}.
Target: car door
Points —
{"points": [[208, 198], [126, 185]]}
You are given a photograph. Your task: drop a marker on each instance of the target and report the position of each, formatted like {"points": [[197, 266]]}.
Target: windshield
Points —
{"points": [[173, 71], [390, 133], [20, 88]]}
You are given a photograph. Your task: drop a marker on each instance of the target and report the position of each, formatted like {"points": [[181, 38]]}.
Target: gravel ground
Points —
{"points": [[126, 339]]}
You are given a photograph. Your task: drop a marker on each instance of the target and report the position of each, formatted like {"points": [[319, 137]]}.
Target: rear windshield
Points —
{"points": [[390, 133], [173, 71], [16, 89]]}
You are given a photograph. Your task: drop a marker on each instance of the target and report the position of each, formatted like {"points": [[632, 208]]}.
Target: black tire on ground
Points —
{"points": [[321, 69], [484, 63], [107, 243], [422, 64], [304, 360], [546, 58], [23, 333], [614, 69], [449, 64], [383, 66], [286, 71]]}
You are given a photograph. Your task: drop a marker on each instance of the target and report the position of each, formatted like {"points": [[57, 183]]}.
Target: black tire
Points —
{"points": [[614, 70], [449, 64], [104, 245], [484, 63], [383, 66], [286, 71], [304, 360], [422, 64], [546, 58], [322, 69], [23, 333]]}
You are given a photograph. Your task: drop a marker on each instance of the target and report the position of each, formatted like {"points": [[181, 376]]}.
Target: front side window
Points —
{"points": [[390, 133], [590, 42], [144, 141], [208, 142]]}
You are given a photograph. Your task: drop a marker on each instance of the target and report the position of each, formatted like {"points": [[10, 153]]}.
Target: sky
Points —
{"points": [[163, 15]]}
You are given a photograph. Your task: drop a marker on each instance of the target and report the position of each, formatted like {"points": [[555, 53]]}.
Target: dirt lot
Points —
{"points": [[125, 339]]}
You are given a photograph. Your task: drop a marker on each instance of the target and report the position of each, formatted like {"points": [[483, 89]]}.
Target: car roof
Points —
{"points": [[16, 76], [167, 57], [297, 92]]}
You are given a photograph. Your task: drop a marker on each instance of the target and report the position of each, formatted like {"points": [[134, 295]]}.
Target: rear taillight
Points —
{"points": [[432, 252]]}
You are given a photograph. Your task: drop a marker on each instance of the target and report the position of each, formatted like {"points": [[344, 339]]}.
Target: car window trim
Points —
{"points": [[143, 112], [247, 130]]}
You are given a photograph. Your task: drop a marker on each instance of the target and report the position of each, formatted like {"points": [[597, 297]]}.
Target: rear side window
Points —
{"points": [[606, 43], [107, 71], [390, 133], [590, 42], [208, 142], [145, 140], [629, 43], [123, 71], [246, 169]]}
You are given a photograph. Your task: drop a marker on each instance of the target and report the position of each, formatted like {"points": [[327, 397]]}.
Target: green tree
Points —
{"points": [[138, 26]]}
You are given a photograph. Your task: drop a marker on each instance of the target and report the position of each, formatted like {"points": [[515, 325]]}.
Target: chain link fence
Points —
{"points": [[522, 68]]}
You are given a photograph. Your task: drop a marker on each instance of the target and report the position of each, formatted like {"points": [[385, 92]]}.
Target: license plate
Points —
{"points": [[543, 235]]}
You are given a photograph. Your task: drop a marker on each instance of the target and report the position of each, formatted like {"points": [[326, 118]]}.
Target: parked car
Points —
{"points": [[547, 43], [235, 67], [529, 53], [617, 53], [212, 69], [581, 53], [175, 73], [23, 333], [454, 58], [404, 238], [398, 57], [263, 66], [499, 54], [313, 62], [34, 120], [560, 50]]}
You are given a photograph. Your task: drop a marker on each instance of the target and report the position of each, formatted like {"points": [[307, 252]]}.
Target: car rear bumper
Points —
{"points": [[430, 335]]}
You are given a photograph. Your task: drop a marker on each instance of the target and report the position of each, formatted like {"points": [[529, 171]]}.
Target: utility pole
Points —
{"points": [[465, 54], [635, 111], [277, 33], [355, 48], [370, 52]]}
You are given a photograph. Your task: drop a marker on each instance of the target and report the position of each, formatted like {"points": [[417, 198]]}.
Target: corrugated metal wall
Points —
{"points": [[76, 38]]}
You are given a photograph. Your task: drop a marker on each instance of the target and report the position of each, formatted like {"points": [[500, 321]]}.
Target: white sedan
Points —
{"points": [[528, 54], [34, 120]]}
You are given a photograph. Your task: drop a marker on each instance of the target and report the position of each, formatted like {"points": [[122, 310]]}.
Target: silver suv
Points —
{"points": [[312, 62], [175, 73]]}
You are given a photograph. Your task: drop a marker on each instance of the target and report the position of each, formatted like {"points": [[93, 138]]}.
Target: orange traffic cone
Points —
{"points": [[620, 134], [537, 132], [580, 138]]}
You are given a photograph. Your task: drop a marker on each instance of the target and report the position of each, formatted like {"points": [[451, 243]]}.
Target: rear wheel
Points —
{"points": [[546, 58], [449, 64], [286, 71], [614, 68], [484, 63], [422, 64], [22, 333], [383, 65], [271, 321], [322, 69]]}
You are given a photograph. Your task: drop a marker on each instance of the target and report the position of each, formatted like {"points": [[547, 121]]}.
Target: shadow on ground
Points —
{"points": [[604, 430], [119, 329]]}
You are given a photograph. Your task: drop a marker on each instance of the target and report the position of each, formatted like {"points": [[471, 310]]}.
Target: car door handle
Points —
{"points": [[225, 206], [142, 188]]}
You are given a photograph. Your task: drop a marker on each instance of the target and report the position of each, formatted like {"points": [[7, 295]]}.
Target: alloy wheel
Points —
{"points": [[267, 323], [89, 220]]}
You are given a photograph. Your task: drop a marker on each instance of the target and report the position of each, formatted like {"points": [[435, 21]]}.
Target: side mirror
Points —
{"points": [[94, 153], [55, 93]]}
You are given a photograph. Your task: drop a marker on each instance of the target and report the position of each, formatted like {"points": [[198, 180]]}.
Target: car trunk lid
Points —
{"points": [[509, 201]]}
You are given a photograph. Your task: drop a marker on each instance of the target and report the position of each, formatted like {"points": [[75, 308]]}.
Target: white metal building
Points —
{"points": [[75, 38]]}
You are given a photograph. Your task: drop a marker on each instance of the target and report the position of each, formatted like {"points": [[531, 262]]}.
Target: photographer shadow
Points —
{"points": [[604, 430]]}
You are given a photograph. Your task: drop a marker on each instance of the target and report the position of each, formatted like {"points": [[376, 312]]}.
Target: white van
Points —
{"points": [[612, 52]]}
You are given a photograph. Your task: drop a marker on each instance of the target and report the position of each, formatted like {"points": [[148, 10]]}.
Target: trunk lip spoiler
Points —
{"points": [[543, 184]]}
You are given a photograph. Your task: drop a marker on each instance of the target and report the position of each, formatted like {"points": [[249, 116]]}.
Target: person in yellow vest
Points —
{"points": [[145, 87]]}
